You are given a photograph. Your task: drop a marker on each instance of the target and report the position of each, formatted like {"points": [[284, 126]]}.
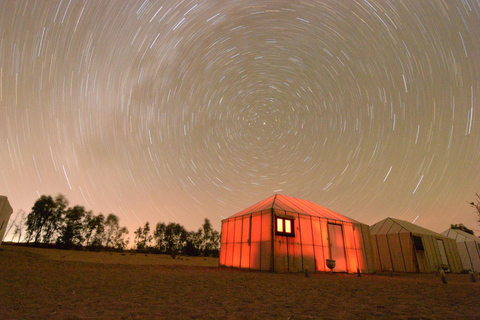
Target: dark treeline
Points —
{"points": [[51, 222], [173, 239]]}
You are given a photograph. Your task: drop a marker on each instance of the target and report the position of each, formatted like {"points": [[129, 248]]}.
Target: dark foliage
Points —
{"points": [[51, 223], [462, 228], [173, 239], [476, 206]]}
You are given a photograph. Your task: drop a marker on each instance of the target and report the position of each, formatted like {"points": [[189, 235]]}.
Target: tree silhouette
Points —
{"points": [[17, 224], [193, 243], [119, 241], [209, 239], [51, 222], [111, 229], [45, 218], [175, 238], [476, 206], [159, 237], [71, 230], [55, 220], [143, 237], [96, 225]]}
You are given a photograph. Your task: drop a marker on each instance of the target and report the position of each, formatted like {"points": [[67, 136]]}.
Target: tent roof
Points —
{"points": [[396, 225], [460, 236], [294, 205]]}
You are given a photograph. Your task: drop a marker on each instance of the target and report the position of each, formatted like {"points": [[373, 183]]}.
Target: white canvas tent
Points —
{"points": [[401, 246], [468, 248], [5, 212]]}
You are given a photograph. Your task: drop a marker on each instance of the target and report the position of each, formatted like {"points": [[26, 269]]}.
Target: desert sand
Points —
{"points": [[57, 284]]}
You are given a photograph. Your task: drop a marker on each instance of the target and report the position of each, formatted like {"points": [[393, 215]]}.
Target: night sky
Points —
{"points": [[176, 111]]}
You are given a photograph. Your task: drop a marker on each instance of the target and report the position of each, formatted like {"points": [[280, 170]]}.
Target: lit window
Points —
{"points": [[284, 227], [288, 226], [279, 225]]}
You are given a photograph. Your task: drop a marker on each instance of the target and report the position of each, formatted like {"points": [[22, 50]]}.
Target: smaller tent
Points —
{"points": [[468, 248], [5, 212], [286, 234], [401, 246]]}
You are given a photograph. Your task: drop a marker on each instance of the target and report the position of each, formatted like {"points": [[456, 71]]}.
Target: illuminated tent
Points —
{"points": [[401, 246], [5, 212], [286, 234], [468, 248]]}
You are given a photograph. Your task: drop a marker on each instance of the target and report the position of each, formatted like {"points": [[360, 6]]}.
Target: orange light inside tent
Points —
{"points": [[288, 226], [280, 225], [284, 227]]}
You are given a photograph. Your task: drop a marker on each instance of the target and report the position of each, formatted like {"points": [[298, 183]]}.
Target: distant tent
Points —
{"points": [[5, 212], [468, 248], [285, 234], [401, 246]]}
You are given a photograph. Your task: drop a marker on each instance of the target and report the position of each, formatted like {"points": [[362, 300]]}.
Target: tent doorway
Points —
{"points": [[336, 245]]}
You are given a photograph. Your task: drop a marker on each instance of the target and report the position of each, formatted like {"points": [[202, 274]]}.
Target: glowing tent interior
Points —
{"points": [[468, 248], [401, 246], [285, 234], [5, 212]]}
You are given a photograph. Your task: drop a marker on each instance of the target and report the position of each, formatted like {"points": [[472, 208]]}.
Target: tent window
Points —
{"points": [[288, 226], [279, 225], [284, 227], [418, 243]]}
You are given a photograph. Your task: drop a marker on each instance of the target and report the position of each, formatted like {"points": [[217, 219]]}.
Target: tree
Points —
{"points": [[209, 239], [96, 225], [119, 241], [114, 234], [55, 220], [175, 238], [159, 237], [51, 222], [143, 237], [462, 227], [17, 224], [45, 218], [111, 229], [476, 206], [71, 230], [87, 227]]}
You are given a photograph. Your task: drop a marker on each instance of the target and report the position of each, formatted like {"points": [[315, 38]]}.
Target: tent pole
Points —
{"points": [[272, 259]]}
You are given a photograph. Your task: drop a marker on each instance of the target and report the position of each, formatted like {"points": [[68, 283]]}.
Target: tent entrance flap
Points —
{"points": [[337, 248]]}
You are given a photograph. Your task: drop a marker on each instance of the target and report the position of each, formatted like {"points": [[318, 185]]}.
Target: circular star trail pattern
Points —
{"points": [[185, 110]]}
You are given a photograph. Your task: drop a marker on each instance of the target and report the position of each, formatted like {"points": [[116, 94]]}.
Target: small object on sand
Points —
{"points": [[472, 276], [444, 278]]}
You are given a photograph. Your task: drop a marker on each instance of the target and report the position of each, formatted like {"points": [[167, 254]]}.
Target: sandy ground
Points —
{"points": [[58, 284]]}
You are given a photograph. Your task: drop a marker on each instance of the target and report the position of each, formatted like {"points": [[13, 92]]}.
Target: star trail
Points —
{"points": [[176, 111]]}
